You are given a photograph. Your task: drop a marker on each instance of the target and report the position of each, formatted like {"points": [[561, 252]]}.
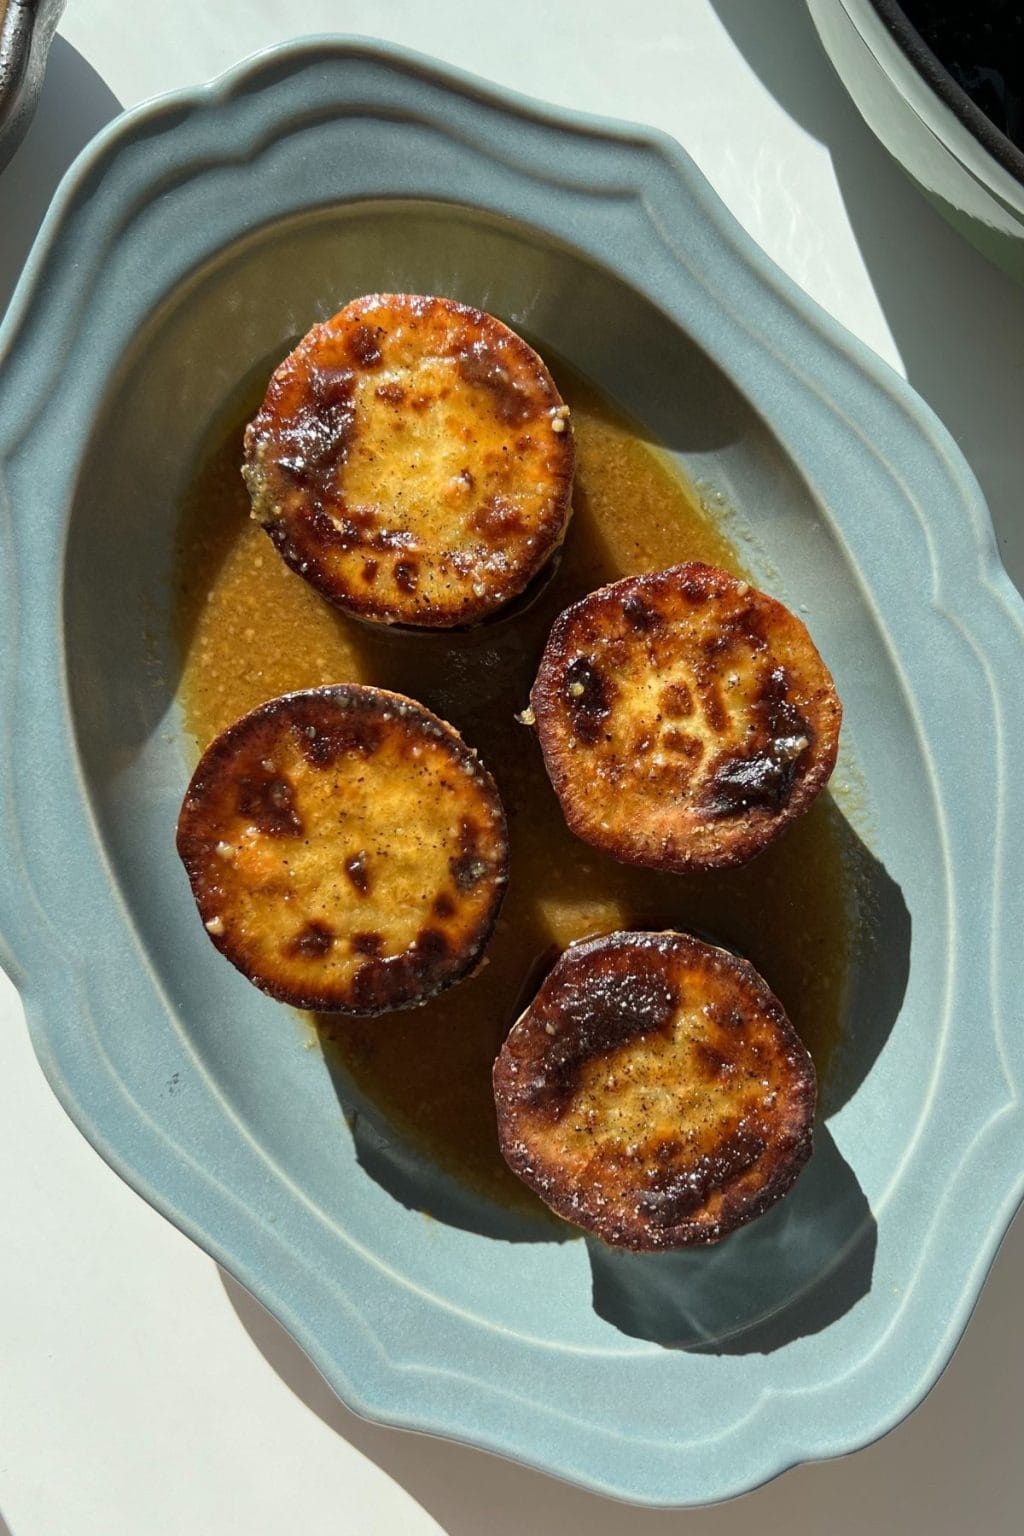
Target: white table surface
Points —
{"points": [[141, 1392]]}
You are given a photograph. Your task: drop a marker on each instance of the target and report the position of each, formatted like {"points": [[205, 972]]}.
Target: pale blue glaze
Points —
{"points": [[189, 243]]}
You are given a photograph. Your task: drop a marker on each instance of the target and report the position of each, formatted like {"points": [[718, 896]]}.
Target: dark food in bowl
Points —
{"points": [[685, 718], [413, 460], [346, 849], [981, 44], [654, 1092]]}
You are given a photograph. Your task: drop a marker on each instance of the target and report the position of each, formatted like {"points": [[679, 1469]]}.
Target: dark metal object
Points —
{"points": [[26, 31]]}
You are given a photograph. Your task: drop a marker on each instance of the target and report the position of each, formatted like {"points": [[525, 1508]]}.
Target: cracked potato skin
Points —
{"points": [[413, 460], [346, 850], [654, 1093], [685, 718]]}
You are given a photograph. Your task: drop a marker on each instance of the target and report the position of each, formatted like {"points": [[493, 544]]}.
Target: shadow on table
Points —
{"points": [[956, 319], [73, 106], [453, 1483], [948, 1459]]}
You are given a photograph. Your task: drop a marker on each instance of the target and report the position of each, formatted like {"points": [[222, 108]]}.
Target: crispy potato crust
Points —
{"points": [[655, 1093], [413, 460], [685, 718], [346, 849]]}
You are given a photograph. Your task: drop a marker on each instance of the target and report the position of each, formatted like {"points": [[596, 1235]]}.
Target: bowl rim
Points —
{"points": [[935, 74], [985, 609]]}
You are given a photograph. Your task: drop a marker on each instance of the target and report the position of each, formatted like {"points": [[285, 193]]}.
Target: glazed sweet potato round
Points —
{"points": [[654, 1092], [685, 718], [413, 460], [346, 849]]}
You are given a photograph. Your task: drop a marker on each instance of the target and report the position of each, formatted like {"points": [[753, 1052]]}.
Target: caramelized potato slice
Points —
{"points": [[413, 460], [346, 849], [654, 1092], [685, 718]]}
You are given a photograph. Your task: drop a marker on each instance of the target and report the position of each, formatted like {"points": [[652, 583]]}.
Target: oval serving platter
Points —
{"points": [[230, 218]]}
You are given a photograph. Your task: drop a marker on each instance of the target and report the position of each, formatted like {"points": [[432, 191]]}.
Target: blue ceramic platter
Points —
{"points": [[194, 239]]}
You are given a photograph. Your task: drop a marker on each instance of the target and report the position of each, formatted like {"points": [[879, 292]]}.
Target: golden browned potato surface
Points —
{"points": [[654, 1092], [685, 718], [346, 849], [413, 460]]}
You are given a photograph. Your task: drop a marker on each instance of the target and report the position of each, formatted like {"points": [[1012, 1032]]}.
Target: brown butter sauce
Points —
{"points": [[249, 628]]}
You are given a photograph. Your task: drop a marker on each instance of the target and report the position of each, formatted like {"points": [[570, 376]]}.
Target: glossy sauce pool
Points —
{"points": [[250, 629]]}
